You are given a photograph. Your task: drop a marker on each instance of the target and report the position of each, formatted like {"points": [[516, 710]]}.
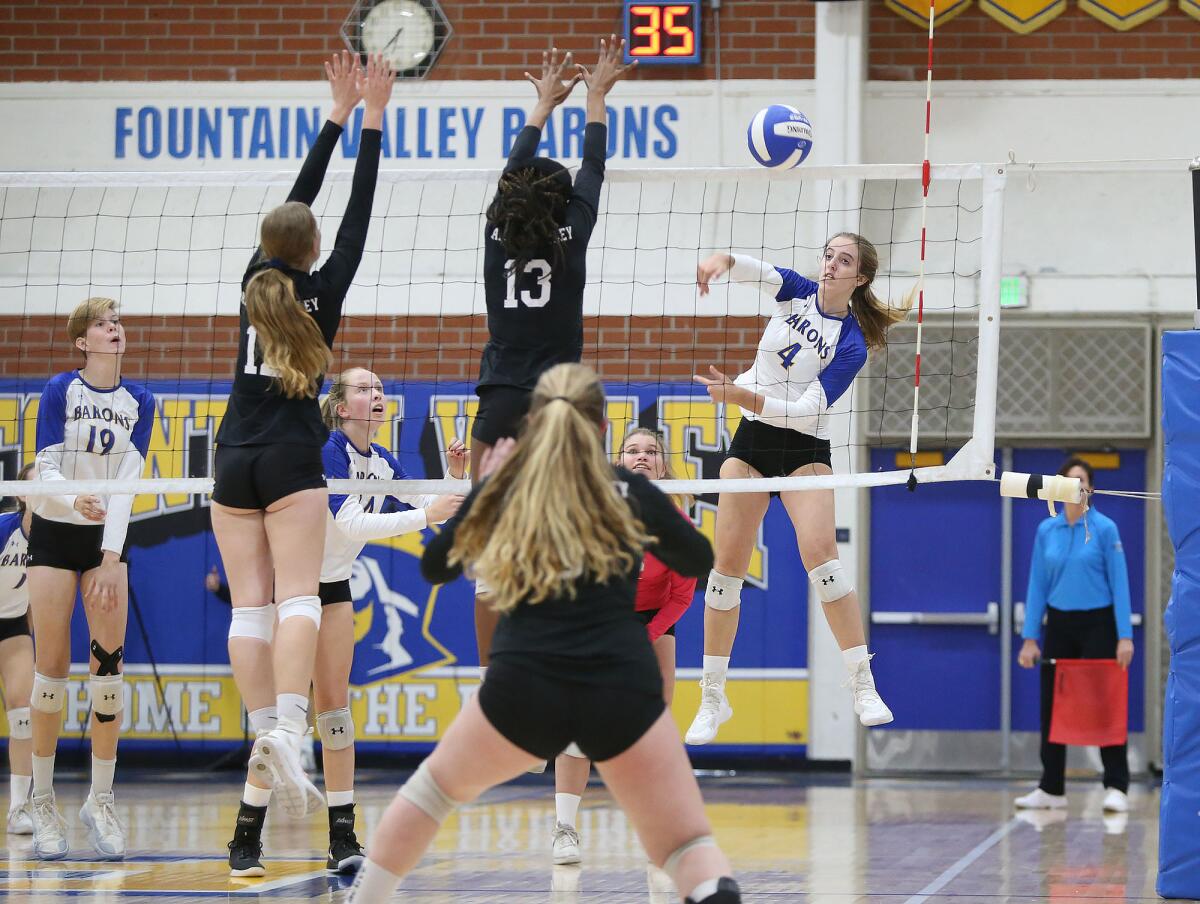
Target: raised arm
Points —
{"points": [[376, 89], [552, 90], [343, 73], [780, 283]]}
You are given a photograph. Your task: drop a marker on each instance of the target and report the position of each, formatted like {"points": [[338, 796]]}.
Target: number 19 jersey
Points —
{"points": [[535, 316]]}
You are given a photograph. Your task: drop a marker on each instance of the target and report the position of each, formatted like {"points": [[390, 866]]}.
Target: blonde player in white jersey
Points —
{"points": [[16, 657], [91, 425], [354, 412], [816, 342]]}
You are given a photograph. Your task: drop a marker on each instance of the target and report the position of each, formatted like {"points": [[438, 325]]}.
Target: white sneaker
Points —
{"points": [[1037, 799], [1116, 801], [276, 758], [308, 756], [566, 844], [868, 705], [714, 711], [49, 828], [20, 820], [105, 832]]}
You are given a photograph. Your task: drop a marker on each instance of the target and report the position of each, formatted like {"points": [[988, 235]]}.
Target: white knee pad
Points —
{"points": [[723, 592], [672, 861], [306, 606], [336, 729], [253, 621], [573, 750], [49, 694], [107, 693], [830, 581], [20, 724], [423, 793]]}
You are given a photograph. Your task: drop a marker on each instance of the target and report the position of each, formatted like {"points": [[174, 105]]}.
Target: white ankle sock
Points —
{"points": [[292, 712], [339, 798], [256, 796], [43, 774], [715, 668], [102, 774], [373, 884], [566, 808], [18, 790], [704, 889], [853, 656], [263, 719]]}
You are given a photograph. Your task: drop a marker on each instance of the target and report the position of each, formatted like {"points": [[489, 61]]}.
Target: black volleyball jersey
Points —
{"points": [[600, 627], [535, 317], [259, 413]]}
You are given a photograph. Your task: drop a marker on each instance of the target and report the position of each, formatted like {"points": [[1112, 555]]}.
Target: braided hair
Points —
{"points": [[529, 207]]}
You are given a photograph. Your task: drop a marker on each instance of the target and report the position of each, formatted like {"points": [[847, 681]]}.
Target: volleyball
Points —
{"points": [[779, 136]]}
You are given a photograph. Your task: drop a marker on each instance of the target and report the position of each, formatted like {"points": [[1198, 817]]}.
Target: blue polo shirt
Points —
{"points": [[1072, 575]]}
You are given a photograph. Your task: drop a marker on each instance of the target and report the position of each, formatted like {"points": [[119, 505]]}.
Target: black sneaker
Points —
{"points": [[345, 854], [727, 893], [245, 851]]}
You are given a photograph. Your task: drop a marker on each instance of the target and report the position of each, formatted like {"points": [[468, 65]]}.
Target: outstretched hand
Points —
{"points": [[710, 268], [609, 69], [343, 72], [552, 87], [375, 85]]}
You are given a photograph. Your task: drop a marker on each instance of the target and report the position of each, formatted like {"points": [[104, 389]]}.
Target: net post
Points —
{"points": [[1195, 168], [983, 428]]}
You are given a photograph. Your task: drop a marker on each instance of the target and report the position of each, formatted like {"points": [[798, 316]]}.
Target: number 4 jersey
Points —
{"points": [[806, 359], [535, 317], [85, 433]]}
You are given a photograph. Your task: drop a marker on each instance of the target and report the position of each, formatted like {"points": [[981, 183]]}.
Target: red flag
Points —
{"points": [[1091, 703]]}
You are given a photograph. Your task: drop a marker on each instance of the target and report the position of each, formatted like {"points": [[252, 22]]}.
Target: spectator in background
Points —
{"points": [[1079, 582]]}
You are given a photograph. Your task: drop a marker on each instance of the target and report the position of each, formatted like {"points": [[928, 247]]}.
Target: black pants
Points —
{"points": [[1086, 634]]}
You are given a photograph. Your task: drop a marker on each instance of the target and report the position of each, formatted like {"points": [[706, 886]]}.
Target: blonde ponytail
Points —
{"points": [[552, 515], [291, 341]]}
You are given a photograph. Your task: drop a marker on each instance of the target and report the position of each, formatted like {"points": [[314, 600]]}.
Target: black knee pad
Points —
{"points": [[108, 664], [727, 893]]}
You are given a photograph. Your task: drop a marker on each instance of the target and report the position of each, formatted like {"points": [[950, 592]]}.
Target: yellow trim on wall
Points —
{"points": [[1124, 15], [917, 12], [1024, 16]]}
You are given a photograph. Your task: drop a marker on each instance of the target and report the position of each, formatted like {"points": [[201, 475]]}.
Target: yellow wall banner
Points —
{"points": [[1124, 14], [917, 12], [1191, 7], [1023, 16]]}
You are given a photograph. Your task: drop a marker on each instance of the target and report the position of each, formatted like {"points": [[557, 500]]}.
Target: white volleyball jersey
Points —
{"points": [[14, 559], [806, 359], [85, 433], [355, 519]]}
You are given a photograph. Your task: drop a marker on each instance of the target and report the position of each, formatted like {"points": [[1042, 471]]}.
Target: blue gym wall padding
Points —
{"points": [[1179, 817]]}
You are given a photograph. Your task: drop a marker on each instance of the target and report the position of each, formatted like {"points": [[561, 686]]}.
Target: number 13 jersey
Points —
{"points": [[535, 317]]}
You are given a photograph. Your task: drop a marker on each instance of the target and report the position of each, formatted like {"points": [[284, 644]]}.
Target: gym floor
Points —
{"points": [[806, 837]]}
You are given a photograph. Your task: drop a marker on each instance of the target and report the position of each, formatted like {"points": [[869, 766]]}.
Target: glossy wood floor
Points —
{"points": [[791, 838]]}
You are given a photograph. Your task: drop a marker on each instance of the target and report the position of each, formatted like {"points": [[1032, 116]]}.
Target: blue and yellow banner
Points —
{"points": [[1124, 15], [415, 660], [1024, 16]]}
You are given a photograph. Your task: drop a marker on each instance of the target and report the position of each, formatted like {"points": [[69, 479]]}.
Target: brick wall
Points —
{"points": [[88, 40], [638, 349]]}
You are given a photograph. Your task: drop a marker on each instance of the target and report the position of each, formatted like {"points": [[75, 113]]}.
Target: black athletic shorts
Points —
{"points": [[71, 547], [776, 451], [542, 714], [647, 616], [335, 592], [15, 627], [254, 477], [502, 410]]}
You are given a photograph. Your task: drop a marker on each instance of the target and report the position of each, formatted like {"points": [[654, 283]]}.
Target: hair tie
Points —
{"points": [[560, 398], [274, 263]]}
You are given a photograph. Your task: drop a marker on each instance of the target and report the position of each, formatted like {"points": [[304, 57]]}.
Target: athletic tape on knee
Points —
{"points": [[573, 750], [672, 861], [108, 672], [20, 724], [49, 694], [253, 621], [306, 606], [723, 592], [336, 729], [424, 793], [830, 581], [107, 694]]}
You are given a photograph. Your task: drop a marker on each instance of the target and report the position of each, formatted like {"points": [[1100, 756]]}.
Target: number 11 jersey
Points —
{"points": [[535, 317]]}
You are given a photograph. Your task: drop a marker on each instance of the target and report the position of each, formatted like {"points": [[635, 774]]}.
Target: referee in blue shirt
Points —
{"points": [[1081, 586]]}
